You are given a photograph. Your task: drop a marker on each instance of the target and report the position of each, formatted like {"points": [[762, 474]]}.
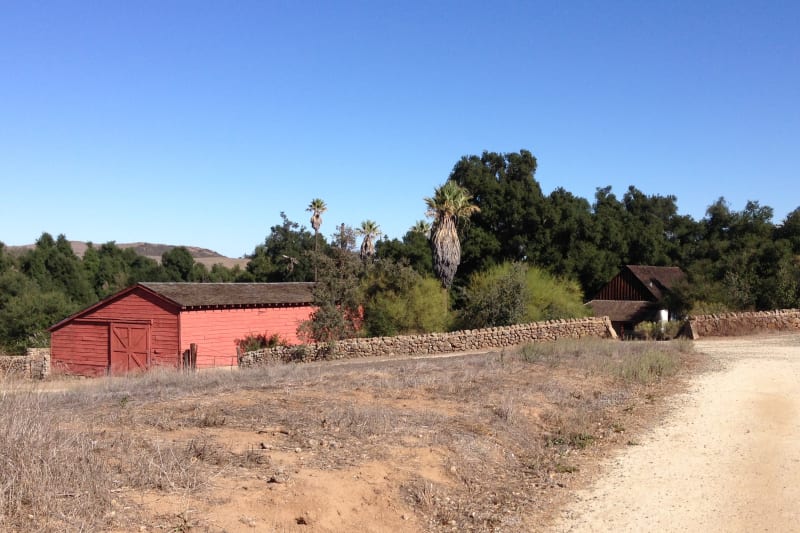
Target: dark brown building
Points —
{"points": [[635, 295]]}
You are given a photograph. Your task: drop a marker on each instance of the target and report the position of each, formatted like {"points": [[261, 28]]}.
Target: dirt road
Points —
{"points": [[726, 459]]}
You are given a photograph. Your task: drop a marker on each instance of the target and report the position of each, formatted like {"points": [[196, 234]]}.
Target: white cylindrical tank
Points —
{"points": [[663, 318]]}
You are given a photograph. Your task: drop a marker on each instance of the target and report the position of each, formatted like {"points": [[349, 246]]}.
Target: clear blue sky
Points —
{"points": [[197, 123]]}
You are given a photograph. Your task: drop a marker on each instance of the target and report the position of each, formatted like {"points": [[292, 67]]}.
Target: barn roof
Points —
{"points": [[657, 279], [211, 295], [188, 295]]}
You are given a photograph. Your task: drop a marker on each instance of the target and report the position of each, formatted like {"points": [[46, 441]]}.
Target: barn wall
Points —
{"points": [[624, 286], [80, 348], [215, 331], [81, 345]]}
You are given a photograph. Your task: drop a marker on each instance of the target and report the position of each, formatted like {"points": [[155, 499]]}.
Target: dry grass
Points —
{"points": [[641, 362], [513, 428], [51, 478]]}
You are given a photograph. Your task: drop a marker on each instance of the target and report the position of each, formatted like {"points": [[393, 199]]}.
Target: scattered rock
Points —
{"points": [[279, 476]]}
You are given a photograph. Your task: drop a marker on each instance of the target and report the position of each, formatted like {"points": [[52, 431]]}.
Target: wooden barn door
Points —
{"points": [[130, 348]]}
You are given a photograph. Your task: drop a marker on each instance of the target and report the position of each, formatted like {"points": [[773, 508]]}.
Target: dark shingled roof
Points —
{"points": [[657, 279], [625, 310], [233, 294]]}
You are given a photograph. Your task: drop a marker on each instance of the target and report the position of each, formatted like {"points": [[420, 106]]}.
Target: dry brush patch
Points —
{"points": [[508, 433], [51, 479]]}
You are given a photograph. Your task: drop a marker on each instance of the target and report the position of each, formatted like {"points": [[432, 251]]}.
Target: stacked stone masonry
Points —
{"points": [[734, 324], [436, 343], [35, 364], [15, 366]]}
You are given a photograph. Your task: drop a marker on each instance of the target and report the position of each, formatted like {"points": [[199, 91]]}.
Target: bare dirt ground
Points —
{"points": [[478, 442], [588, 436], [726, 458]]}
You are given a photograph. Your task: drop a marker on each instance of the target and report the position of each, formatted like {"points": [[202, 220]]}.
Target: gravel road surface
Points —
{"points": [[727, 458]]}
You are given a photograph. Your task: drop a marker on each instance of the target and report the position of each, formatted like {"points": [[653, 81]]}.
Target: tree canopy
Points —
{"points": [[494, 235], [286, 255]]}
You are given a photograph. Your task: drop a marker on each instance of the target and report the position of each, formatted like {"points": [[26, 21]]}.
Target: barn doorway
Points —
{"points": [[130, 348]]}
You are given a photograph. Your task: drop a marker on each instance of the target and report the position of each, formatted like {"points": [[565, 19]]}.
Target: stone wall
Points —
{"points": [[15, 366], [40, 362], [733, 324], [33, 365], [436, 343]]}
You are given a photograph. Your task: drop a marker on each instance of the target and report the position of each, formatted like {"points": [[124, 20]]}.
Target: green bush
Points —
{"points": [[709, 308], [399, 301], [260, 341], [496, 297], [657, 331], [337, 296], [515, 293], [550, 297]]}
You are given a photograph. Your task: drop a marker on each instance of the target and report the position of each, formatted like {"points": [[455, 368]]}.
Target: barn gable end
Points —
{"points": [[84, 342]]}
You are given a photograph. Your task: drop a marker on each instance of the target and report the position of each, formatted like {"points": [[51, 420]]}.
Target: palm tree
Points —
{"points": [[449, 205], [423, 227], [369, 230], [317, 207]]}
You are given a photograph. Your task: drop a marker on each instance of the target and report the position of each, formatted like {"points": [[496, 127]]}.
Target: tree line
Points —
{"points": [[497, 250]]}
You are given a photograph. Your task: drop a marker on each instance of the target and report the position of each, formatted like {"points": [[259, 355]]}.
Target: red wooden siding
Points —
{"points": [[215, 331], [624, 286], [80, 349]]}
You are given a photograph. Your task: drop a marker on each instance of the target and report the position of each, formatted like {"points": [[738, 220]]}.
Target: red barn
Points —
{"points": [[154, 324]]}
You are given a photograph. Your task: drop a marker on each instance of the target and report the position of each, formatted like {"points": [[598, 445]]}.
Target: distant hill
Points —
{"points": [[153, 251]]}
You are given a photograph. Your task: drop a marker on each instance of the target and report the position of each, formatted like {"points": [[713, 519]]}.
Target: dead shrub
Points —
{"points": [[141, 463], [51, 479], [361, 421], [253, 456], [423, 494], [209, 418], [575, 427], [506, 408]]}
